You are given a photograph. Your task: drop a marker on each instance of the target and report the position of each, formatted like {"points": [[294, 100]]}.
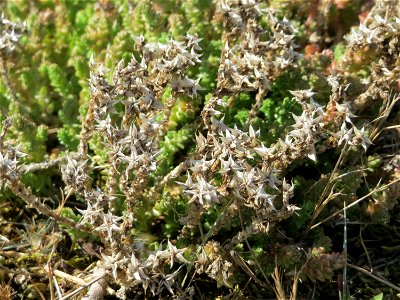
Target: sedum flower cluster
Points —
{"points": [[187, 149]]}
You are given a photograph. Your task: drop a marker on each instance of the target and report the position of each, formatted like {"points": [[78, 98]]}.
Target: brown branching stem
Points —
{"points": [[25, 194], [255, 109]]}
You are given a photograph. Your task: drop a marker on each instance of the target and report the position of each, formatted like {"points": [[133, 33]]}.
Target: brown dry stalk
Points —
{"points": [[366, 272], [25, 193], [354, 203], [277, 277]]}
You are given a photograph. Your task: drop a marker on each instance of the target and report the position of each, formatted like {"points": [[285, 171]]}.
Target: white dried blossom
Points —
{"points": [[186, 85], [10, 34], [89, 214], [229, 165], [154, 50], [97, 83], [380, 20], [246, 179], [219, 268], [201, 191], [167, 281], [201, 165], [262, 199], [301, 95], [246, 63], [112, 262], [154, 260], [218, 125], [264, 152], [193, 41], [109, 225], [344, 134], [333, 82], [345, 110], [74, 173], [360, 137], [287, 192], [172, 254], [137, 271], [106, 126], [138, 39], [8, 167], [201, 142]]}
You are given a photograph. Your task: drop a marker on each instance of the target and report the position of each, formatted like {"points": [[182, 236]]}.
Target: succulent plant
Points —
{"points": [[154, 148]]}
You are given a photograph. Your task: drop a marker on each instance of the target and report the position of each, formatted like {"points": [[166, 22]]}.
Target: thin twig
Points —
{"points": [[391, 127], [345, 289], [384, 113], [355, 203], [58, 290], [6, 124], [50, 271], [67, 276], [78, 290], [242, 264], [253, 254], [391, 285], [321, 202], [365, 248], [39, 292], [25, 194], [33, 167]]}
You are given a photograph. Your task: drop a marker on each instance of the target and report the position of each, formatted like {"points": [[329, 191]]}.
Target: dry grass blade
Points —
{"points": [[243, 265], [277, 277], [296, 279], [383, 115], [345, 294]]}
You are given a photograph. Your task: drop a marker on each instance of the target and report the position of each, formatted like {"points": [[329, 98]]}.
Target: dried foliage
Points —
{"points": [[152, 149]]}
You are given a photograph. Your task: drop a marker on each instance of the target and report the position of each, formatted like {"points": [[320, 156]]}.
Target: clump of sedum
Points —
{"points": [[166, 149]]}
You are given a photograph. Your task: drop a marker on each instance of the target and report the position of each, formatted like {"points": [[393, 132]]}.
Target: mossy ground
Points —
{"points": [[44, 88]]}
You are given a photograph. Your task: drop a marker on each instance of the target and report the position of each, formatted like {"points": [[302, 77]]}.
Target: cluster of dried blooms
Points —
{"points": [[132, 137], [10, 33], [252, 57], [231, 168]]}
